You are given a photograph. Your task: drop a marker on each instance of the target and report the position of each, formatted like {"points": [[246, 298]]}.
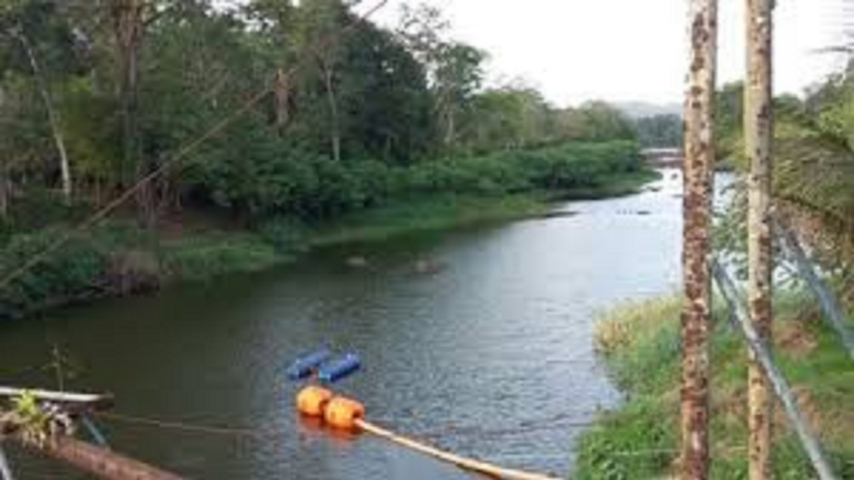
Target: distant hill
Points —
{"points": [[646, 109]]}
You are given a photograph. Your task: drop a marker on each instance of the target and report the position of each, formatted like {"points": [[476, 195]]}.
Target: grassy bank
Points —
{"points": [[640, 343], [427, 214], [117, 258]]}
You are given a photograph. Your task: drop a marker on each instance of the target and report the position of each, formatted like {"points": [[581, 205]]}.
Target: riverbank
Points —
{"points": [[639, 342], [118, 259]]}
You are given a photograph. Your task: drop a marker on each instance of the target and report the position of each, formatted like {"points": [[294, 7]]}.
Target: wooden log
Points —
{"points": [[830, 305], [762, 355], [100, 462]]}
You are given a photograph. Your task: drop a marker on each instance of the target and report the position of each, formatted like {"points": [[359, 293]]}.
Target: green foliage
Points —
{"points": [[287, 235], [729, 119], [424, 214], [75, 270], [406, 107], [40, 208], [264, 184], [813, 170], [660, 131], [640, 345], [200, 257], [36, 425], [288, 197], [393, 99]]}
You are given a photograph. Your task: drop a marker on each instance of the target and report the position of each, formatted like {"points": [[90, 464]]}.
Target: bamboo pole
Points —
{"points": [[698, 173], [762, 354], [758, 135], [462, 462], [833, 311]]}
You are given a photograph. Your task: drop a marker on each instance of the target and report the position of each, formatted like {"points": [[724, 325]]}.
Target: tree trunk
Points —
{"points": [[5, 190], [758, 132], [698, 172], [445, 110], [4, 173], [128, 25], [450, 128], [334, 123], [52, 116], [100, 462], [281, 90]]}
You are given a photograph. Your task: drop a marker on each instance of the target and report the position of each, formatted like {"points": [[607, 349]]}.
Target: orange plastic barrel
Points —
{"points": [[342, 413], [312, 400]]}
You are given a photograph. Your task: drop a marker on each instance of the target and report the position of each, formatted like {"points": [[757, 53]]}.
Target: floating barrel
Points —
{"points": [[339, 368], [312, 400], [343, 413], [306, 364]]}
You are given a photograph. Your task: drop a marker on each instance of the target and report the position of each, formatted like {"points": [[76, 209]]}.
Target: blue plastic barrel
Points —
{"points": [[339, 368], [306, 364]]}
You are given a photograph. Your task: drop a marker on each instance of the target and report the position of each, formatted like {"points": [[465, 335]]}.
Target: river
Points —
{"points": [[491, 356]]}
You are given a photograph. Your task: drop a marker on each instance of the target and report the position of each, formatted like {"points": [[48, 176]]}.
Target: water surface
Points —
{"points": [[491, 356]]}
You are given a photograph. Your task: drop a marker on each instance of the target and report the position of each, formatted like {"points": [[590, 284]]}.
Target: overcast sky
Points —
{"points": [[620, 50]]}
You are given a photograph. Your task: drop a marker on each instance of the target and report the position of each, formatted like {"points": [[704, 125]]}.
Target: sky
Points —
{"points": [[628, 50]]}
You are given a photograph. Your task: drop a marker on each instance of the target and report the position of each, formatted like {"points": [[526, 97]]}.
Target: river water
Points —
{"points": [[491, 356]]}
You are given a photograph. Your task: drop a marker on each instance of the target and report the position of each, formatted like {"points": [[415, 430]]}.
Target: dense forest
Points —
{"points": [[97, 95], [266, 116], [660, 131]]}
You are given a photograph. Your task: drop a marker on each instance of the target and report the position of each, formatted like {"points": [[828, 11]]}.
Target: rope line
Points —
{"points": [[173, 425], [186, 427]]}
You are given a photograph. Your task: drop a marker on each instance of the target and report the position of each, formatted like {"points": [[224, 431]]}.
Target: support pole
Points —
{"points": [[761, 353], [697, 202], [758, 135], [94, 432], [5, 469], [833, 310]]}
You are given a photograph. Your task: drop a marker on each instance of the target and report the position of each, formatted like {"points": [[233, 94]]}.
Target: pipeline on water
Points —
{"points": [[345, 414]]}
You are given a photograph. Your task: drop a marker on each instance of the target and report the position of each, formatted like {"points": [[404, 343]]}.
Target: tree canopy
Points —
{"points": [[130, 83]]}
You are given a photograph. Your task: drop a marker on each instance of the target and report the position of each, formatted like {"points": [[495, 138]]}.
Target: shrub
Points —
{"points": [[75, 270]]}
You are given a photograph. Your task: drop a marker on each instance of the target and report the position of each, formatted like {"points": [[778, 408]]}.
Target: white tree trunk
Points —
{"points": [[52, 116], [334, 122]]}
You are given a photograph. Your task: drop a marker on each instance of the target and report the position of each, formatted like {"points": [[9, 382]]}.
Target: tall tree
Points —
{"points": [[698, 171], [52, 115], [659, 131], [128, 25], [384, 92], [322, 22], [758, 134], [454, 69], [36, 27], [459, 74]]}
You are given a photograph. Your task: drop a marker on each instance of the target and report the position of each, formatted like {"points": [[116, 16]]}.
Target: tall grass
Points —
{"points": [[639, 342]]}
